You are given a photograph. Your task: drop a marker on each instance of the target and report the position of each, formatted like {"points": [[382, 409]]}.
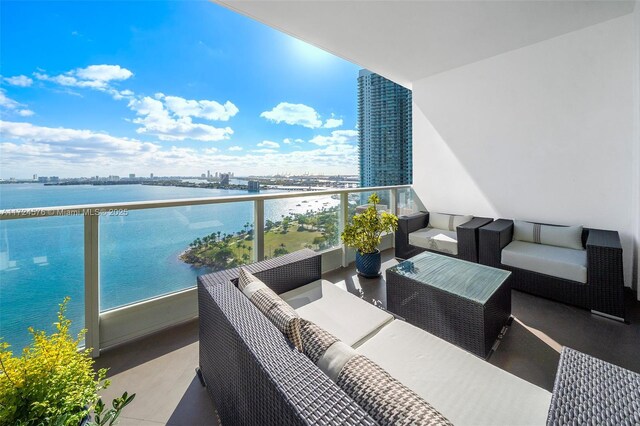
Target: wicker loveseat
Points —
{"points": [[252, 372], [255, 376], [601, 288], [415, 235]]}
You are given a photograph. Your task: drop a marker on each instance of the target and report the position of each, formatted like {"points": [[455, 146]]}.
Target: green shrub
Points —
{"points": [[52, 382], [364, 231]]}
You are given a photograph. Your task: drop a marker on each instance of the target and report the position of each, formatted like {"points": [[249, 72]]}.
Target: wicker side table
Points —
{"points": [[464, 303], [591, 391]]}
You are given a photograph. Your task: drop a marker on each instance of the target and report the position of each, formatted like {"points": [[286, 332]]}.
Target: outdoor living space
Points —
{"points": [[160, 368], [498, 286]]}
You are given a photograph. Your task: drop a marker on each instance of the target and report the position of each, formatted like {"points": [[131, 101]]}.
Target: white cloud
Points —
{"points": [[332, 123], [63, 144], [294, 114], [337, 137], [209, 110], [235, 148], [12, 105], [72, 152], [269, 144], [265, 151], [94, 76], [103, 73], [157, 120], [120, 94], [7, 102], [19, 80], [289, 141]]}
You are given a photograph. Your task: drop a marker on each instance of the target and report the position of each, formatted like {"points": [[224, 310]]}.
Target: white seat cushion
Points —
{"points": [[560, 262], [341, 313], [441, 240], [464, 388]]}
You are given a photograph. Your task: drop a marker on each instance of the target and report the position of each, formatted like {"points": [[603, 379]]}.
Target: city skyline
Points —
{"points": [[191, 86]]}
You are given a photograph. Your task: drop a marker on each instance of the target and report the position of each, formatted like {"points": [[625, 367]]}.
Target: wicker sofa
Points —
{"points": [[409, 241], [603, 289], [255, 376]]}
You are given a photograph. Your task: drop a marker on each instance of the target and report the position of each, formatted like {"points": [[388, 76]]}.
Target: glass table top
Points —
{"points": [[469, 280]]}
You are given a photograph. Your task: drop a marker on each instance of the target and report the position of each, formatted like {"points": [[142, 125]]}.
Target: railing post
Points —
{"points": [[393, 201], [393, 208], [91, 283], [342, 222], [258, 230]]}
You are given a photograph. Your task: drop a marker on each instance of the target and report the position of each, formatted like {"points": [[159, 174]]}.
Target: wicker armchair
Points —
{"points": [[467, 234], [251, 371], [604, 291]]}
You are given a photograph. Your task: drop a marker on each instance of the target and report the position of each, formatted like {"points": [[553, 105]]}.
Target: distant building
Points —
{"points": [[114, 178], [132, 175], [35, 177], [384, 123], [224, 179], [203, 176], [54, 179], [208, 174], [43, 179], [254, 186], [150, 175]]}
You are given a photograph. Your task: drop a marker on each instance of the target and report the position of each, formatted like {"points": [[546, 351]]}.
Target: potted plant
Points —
{"points": [[54, 383], [364, 233]]}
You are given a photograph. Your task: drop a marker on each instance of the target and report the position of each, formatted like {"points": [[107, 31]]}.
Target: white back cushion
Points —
{"points": [[447, 221], [559, 236]]}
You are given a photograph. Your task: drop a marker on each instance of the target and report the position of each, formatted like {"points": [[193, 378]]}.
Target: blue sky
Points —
{"points": [[170, 88]]}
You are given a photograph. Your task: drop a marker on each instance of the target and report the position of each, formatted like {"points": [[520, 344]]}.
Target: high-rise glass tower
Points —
{"points": [[384, 122]]}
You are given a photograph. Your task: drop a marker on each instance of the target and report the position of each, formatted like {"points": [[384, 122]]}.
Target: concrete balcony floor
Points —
{"points": [[160, 368]]}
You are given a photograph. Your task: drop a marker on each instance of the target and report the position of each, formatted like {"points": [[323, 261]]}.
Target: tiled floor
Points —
{"points": [[161, 368]]}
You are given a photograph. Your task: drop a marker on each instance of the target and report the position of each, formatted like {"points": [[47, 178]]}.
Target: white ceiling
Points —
{"points": [[409, 40]]}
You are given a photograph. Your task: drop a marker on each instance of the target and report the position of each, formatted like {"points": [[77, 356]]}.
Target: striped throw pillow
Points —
{"points": [[279, 312], [551, 235], [387, 400], [447, 221]]}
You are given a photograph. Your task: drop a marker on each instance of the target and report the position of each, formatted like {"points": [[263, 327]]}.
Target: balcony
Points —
{"points": [[148, 338], [161, 367], [532, 115]]}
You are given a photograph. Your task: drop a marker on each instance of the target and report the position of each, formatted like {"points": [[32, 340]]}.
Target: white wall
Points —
{"points": [[547, 132]]}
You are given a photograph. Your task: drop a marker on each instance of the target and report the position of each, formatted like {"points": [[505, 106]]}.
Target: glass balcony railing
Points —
{"points": [[407, 202], [131, 268], [150, 253], [309, 222], [41, 262]]}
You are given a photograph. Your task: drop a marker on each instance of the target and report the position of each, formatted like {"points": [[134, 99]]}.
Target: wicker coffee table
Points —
{"points": [[464, 303]]}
